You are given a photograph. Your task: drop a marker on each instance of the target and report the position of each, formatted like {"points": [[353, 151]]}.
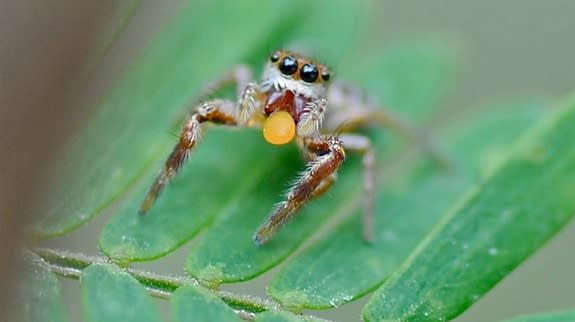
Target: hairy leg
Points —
{"points": [[241, 76], [362, 144], [324, 186], [350, 109], [217, 111], [327, 182], [330, 155], [246, 90]]}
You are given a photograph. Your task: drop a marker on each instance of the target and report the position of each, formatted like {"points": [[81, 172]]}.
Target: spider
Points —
{"points": [[296, 100]]}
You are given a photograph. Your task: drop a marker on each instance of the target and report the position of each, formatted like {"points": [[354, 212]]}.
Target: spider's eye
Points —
{"points": [[325, 75], [308, 73], [288, 66], [275, 57]]}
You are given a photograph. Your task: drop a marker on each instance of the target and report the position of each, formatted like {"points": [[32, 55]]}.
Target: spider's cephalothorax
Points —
{"points": [[296, 85], [291, 102]]}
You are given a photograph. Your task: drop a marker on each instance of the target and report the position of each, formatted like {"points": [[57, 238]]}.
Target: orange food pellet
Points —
{"points": [[279, 128]]}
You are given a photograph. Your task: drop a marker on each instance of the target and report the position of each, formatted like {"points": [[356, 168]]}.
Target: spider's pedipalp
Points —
{"points": [[247, 103], [330, 155], [311, 118]]}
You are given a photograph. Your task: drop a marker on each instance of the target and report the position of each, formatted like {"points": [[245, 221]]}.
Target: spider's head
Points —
{"points": [[288, 70]]}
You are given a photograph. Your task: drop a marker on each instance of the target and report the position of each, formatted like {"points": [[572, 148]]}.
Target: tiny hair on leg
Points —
{"points": [[330, 157]]}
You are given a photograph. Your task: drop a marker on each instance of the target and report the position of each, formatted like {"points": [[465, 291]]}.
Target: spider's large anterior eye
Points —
{"points": [[308, 73], [288, 66]]}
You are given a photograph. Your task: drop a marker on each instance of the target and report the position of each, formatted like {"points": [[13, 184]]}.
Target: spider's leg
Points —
{"points": [[362, 144], [216, 111], [327, 182], [350, 109], [324, 186], [247, 91], [240, 76], [330, 155]]}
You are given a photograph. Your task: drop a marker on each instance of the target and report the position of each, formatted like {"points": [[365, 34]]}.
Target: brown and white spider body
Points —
{"points": [[296, 100]]}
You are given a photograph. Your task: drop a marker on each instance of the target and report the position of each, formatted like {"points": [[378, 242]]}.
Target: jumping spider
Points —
{"points": [[290, 103]]}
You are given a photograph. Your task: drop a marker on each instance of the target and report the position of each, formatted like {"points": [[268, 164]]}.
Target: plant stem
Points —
{"points": [[71, 265]]}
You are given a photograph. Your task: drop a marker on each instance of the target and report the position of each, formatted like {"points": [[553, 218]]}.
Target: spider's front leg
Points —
{"points": [[246, 89], [320, 173], [217, 111]]}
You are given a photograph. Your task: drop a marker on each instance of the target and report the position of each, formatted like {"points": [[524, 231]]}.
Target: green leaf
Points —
{"points": [[189, 204], [508, 119], [110, 294], [341, 267], [190, 303], [497, 224], [213, 259], [564, 316], [39, 294], [129, 130]]}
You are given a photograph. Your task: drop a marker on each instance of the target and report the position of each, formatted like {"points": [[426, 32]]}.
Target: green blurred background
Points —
{"points": [[519, 48], [510, 49]]}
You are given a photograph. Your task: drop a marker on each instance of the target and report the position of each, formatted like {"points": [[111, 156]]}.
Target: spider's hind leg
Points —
{"points": [[362, 144], [351, 109]]}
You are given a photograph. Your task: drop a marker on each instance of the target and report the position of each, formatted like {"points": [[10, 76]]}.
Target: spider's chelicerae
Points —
{"points": [[296, 100]]}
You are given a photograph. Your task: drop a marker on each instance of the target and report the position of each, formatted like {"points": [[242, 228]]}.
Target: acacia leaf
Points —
{"points": [[341, 267], [39, 293], [521, 204], [129, 129], [211, 182], [190, 303], [110, 294]]}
